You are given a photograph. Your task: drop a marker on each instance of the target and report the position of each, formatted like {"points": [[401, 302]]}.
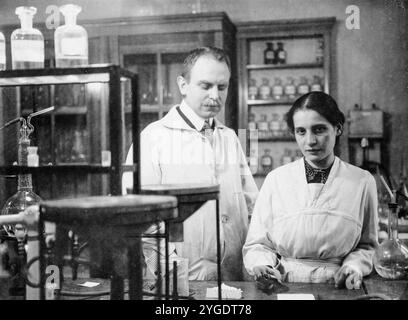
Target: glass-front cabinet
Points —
{"points": [[278, 62], [90, 119]]}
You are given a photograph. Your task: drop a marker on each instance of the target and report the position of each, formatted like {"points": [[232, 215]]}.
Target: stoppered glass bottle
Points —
{"points": [[71, 40], [27, 43]]}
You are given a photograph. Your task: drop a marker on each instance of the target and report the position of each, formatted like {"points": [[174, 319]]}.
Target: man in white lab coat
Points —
{"points": [[189, 145]]}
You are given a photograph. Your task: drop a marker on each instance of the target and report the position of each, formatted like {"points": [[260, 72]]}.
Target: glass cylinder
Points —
{"points": [[27, 43], [391, 256], [71, 40], [2, 52]]}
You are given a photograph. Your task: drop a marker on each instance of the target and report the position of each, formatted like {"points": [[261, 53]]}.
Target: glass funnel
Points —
{"points": [[71, 40], [27, 43], [391, 256]]}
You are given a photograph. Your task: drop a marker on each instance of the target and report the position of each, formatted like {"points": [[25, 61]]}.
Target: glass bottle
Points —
{"points": [[266, 161], [2, 52], [316, 84], [287, 156], [269, 54], [251, 122], [71, 40], [265, 90], [320, 51], [274, 125], [252, 90], [263, 127], [303, 86], [281, 54], [277, 89], [253, 161], [284, 127], [27, 43], [290, 89], [391, 256]]}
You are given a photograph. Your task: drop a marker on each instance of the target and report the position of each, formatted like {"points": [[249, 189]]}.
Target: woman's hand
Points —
{"points": [[348, 276]]}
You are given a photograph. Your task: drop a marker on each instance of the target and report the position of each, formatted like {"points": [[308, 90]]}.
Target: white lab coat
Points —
{"points": [[314, 225], [172, 152]]}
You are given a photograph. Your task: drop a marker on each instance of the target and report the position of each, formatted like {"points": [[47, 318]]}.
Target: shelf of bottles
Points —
{"points": [[80, 136], [278, 71]]}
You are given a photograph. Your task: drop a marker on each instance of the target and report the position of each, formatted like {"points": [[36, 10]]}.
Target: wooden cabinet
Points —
{"points": [[155, 47], [278, 61]]}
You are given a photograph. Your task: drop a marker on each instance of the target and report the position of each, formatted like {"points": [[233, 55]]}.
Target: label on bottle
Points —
{"points": [[290, 90], [265, 92], [282, 55], [316, 87], [252, 125], [27, 50], [270, 55], [252, 92], [266, 161], [286, 159], [71, 48], [263, 126], [274, 125], [303, 89], [277, 90]]}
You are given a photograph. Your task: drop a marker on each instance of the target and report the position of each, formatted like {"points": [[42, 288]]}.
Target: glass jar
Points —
{"points": [[263, 127], [71, 40], [251, 122], [290, 89], [303, 86], [265, 90], [252, 90], [277, 89], [2, 52], [266, 161], [27, 43], [391, 256], [316, 84], [281, 54], [287, 156], [274, 125], [269, 54]]}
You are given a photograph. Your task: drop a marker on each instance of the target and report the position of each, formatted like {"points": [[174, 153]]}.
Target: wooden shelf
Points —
{"points": [[277, 139], [284, 66], [270, 102], [48, 169]]}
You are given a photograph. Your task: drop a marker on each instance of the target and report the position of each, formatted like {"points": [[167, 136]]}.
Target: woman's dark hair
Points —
{"points": [[320, 102]]}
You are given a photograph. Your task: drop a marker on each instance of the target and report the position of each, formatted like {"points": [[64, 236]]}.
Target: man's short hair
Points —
{"points": [[214, 52]]}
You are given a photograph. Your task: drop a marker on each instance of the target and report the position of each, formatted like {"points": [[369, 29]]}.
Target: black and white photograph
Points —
{"points": [[205, 156]]}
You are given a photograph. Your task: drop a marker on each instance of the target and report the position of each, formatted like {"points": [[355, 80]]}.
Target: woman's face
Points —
{"points": [[315, 137]]}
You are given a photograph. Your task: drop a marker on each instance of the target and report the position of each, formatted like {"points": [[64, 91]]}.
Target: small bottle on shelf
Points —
{"points": [[263, 127], [252, 90], [265, 90], [316, 84], [253, 162], [269, 54], [303, 86], [287, 156], [284, 127], [320, 50], [266, 161], [27, 43], [251, 122], [274, 125], [281, 54], [2, 52], [277, 89], [290, 89]]}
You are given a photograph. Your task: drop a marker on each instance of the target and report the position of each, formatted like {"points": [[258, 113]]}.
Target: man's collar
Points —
{"points": [[195, 119]]}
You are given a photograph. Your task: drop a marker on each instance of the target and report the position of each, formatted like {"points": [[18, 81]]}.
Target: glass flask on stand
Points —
{"points": [[71, 40], [391, 256], [2, 52], [27, 43]]}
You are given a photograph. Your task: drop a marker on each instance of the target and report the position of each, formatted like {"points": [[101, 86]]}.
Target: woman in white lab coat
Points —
{"points": [[315, 219]]}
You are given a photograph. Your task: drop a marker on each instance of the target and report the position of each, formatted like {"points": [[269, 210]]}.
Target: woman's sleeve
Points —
{"points": [[361, 258], [257, 249]]}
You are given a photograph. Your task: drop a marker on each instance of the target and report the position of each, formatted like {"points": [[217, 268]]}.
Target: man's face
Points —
{"points": [[206, 89]]}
